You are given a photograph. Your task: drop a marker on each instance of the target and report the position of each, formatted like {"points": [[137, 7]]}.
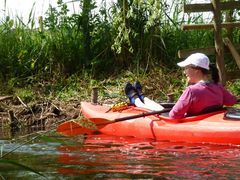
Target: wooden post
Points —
{"points": [[94, 95], [229, 19], [14, 123], [170, 97], [218, 40], [234, 52]]}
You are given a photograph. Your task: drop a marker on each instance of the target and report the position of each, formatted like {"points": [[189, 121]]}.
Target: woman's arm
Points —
{"points": [[182, 105]]}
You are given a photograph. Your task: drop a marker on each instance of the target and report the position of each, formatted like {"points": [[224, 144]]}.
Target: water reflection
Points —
{"points": [[101, 156], [104, 156]]}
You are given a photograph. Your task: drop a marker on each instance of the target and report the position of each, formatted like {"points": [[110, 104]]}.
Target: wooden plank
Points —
{"points": [[218, 40], [188, 52], [231, 5], [233, 75], [234, 52], [196, 26], [208, 51], [205, 7], [226, 25]]}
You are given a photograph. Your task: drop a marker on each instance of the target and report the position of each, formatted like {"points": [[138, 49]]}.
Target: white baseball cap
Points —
{"points": [[196, 59]]}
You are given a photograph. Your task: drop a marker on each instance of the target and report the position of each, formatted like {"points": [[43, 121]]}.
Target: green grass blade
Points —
{"points": [[21, 166]]}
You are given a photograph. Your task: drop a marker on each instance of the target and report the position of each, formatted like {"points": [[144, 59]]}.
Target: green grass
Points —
{"points": [[69, 54]]}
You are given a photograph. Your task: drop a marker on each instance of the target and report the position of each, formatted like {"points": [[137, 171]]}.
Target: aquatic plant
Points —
{"points": [[20, 166]]}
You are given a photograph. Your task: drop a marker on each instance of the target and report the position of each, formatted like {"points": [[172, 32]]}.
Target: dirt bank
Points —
{"points": [[16, 114]]}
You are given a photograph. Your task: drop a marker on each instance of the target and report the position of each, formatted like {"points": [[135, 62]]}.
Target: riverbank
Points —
{"points": [[39, 105]]}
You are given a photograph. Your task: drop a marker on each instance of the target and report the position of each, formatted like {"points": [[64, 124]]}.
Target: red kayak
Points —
{"points": [[212, 127]]}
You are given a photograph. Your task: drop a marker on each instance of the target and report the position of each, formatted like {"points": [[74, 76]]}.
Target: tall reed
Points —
{"points": [[135, 35]]}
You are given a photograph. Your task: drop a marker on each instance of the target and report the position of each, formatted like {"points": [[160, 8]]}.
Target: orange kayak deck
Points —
{"points": [[207, 128]]}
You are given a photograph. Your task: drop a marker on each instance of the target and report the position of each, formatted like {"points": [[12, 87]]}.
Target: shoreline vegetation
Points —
{"points": [[47, 71]]}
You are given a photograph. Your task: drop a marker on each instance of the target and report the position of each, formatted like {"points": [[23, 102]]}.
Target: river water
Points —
{"points": [[108, 157]]}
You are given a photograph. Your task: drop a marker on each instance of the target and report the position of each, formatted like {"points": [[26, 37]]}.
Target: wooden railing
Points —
{"points": [[215, 7]]}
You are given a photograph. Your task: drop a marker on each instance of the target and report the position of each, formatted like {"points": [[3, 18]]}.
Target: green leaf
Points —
{"points": [[21, 166], [51, 139]]}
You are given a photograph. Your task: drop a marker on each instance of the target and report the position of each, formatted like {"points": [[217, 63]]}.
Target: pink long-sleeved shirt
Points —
{"points": [[199, 96]]}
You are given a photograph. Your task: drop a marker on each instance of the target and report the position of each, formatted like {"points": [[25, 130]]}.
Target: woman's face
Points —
{"points": [[193, 74]]}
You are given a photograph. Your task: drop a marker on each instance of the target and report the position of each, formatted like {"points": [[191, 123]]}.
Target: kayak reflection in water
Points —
{"points": [[201, 95]]}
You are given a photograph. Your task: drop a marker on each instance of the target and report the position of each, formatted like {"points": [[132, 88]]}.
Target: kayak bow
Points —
{"points": [[206, 128]]}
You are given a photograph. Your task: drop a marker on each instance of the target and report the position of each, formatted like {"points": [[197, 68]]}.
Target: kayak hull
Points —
{"points": [[207, 128]]}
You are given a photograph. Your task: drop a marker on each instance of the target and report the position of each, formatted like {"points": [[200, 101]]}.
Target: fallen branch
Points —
{"points": [[5, 98], [26, 106]]}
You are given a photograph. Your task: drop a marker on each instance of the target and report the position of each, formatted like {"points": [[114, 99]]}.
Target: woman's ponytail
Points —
{"points": [[214, 73]]}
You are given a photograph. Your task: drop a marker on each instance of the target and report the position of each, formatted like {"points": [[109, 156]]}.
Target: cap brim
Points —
{"points": [[183, 64]]}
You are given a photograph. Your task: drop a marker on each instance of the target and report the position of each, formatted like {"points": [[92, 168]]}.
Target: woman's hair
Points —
{"points": [[214, 73], [213, 70]]}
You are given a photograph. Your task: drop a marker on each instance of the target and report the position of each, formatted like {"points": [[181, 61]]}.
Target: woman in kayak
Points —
{"points": [[200, 96]]}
